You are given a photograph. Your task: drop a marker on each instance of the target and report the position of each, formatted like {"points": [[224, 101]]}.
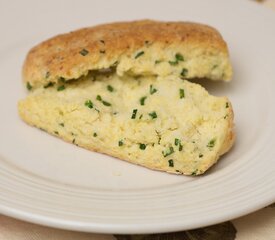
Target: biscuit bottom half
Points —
{"points": [[166, 124]]}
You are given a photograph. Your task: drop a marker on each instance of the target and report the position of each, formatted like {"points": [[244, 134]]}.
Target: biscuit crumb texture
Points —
{"points": [[162, 123], [149, 48]]}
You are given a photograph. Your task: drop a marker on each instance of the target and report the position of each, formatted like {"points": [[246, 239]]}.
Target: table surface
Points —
{"points": [[256, 226]]}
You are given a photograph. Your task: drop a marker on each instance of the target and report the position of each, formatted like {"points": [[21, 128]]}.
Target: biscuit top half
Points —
{"points": [[146, 47]]}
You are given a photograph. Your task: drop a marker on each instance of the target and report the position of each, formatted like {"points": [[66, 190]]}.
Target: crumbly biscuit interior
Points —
{"points": [[164, 123]]}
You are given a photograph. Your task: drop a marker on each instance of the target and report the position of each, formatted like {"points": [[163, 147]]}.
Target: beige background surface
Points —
{"points": [[256, 226]]}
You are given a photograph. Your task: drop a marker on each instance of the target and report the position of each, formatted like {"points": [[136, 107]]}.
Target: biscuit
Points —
{"points": [[184, 49], [122, 89], [167, 124]]}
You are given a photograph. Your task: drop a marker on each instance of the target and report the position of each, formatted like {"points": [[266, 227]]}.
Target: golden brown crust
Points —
{"points": [[72, 55]]}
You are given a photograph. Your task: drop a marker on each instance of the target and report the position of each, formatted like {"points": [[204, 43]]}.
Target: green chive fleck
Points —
{"points": [[182, 95], [171, 163], [61, 88], [49, 84], [168, 152], [211, 143], [140, 117], [173, 63], [139, 54], [177, 141], [142, 146], [153, 114], [61, 124], [201, 155], [142, 100], [106, 103], [110, 88], [84, 52], [98, 97], [56, 132], [73, 141], [179, 57], [47, 74], [158, 61], [180, 147], [214, 66], [61, 79], [89, 104], [134, 114], [29, 86], [120, 143], [184, 72], [227, 105], [95, 134], [152, 90], [194, 173]]}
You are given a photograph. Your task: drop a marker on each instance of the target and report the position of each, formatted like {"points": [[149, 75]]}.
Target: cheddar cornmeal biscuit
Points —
{"points": [[122, 89]]}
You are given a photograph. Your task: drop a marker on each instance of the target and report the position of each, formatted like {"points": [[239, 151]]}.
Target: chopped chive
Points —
{"points": [[168, 152], [49, 84], [95, 134], [61, 124], [214, 66], [47, 74], [173, 63], [98, 97], [139, 54], [142, 146], [84, 52], [89, 104], [56, 132], [179, 57], [177, 141], [115, 64], [110, 88], [184, 72], [61, 79], [225, 116], [153, 114], [120, 143], [211, 143], [158, 61], [152, 90], [201, 155], [106, 103], [73, 141], [134, 114], [227, 105], [142, 100], [182, 95], [61, 88], [180, 147], [29, 86], [140, 117], [194, 173], [171, 163]]}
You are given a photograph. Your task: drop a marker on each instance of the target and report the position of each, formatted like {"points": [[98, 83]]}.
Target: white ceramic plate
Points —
{"points": [[47, 181]]}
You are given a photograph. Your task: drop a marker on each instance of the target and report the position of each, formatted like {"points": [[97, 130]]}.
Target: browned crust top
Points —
{"points": [[72, 54]]}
